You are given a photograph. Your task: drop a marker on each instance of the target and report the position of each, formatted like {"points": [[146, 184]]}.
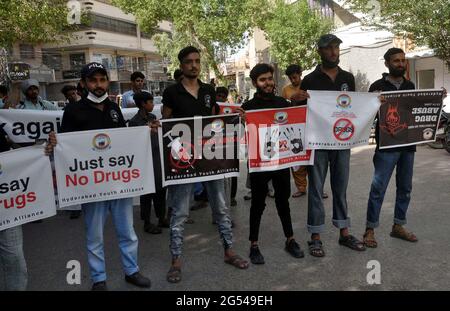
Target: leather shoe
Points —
{"points": [[138, 279]]}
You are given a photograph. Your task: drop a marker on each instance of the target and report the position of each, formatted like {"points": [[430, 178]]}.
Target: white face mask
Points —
{"points": [[96, 99]]}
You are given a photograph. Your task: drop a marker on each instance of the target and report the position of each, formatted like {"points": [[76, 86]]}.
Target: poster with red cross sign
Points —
{"points": [[227, 108], [340, 120], [276, 139]]}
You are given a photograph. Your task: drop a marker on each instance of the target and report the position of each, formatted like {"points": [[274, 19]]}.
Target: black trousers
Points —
{"points": [[159, 204], [281, 181], [234, 183]]}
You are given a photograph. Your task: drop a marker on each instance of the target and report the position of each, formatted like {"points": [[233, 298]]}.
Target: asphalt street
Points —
{"points": [[404, 266]]}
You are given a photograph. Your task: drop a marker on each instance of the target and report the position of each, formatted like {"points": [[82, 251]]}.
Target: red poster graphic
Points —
{"points": [[276, 139]]}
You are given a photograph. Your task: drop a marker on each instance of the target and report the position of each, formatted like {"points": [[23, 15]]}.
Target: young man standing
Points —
{"points": [[70, 93], [188, 98], [294, 73], [401, 158], [264, 98], [137, 85], [328, 76], [144, 101], [94, 112]]}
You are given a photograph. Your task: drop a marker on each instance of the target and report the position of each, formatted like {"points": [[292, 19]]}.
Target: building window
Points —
{"points": [[52, 60], [113, 25], [27, 51], [77, 61], [425, 79]]}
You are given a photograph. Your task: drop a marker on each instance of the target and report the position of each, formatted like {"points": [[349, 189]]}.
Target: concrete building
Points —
{"points": [[112, 38], [362, 52]]}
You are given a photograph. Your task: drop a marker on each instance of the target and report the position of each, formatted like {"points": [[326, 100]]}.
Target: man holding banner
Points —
{"points": [[264, 98], [386, 160], [188, 98], [96, 111], [328, 76]]}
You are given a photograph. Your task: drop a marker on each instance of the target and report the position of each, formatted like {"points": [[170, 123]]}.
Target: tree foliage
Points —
{"points": [[427, 22], [210, 25], [32, 21], [293, 31]]}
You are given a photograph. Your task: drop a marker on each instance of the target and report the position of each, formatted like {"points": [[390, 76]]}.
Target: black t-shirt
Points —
{"points": [[82, 116], [260, 101], [184, 105], [320, 81], [384, 85]]}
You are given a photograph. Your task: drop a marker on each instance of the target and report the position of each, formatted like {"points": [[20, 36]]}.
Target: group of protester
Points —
{"points": [[191, 97]]}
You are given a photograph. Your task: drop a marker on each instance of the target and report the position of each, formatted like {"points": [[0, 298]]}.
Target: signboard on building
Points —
{"points": [[19, 71], [71, 74]]}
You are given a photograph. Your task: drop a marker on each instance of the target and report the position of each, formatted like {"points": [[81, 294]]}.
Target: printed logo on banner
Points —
{"points": [[427, 134], [101, 141], [343, 129], [281, 117], [393, 123], [344, 87], [227, 110], [217, 125], [344, 101]]}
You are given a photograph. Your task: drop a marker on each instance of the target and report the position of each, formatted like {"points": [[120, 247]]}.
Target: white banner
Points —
{"points": [[26, 126], [102, 165], [26, 187], [340, 120]]}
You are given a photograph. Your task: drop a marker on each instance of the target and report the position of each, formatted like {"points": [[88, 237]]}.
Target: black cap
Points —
{"points": [[91, 68], [325, 40]]}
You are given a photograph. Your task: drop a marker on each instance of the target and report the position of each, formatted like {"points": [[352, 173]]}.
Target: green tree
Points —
{"points": [[426, 22], [210, 25], [32, 21], [293, 30]]}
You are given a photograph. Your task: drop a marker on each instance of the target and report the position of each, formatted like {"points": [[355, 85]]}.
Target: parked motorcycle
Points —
{"points": [[442, 133]]}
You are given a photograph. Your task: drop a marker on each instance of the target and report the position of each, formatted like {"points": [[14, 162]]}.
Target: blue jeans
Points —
{"points": [[95, 215], [13, 268], [384, 163], [180, 197], [339, 161]]}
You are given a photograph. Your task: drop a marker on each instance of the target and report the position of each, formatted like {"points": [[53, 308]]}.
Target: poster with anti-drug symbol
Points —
{"points": [[340, 120], [276, 139]]}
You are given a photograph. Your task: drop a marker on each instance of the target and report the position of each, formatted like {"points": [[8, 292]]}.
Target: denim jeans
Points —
{"points": [[180, 196], [384, 163], [13, 268], [339, 161], [95, 215]]}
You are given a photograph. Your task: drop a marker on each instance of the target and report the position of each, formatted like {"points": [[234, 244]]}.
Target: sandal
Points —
{"points": [[316, 248], [237, 261], [401, 233], [299, 194], [351, 242], [174, 275], [369, 239]]}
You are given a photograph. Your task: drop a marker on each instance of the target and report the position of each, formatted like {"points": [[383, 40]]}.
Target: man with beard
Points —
{"points": [[328, 76], [95, 111], [188, 98], [387, 159], [264, 98]]}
